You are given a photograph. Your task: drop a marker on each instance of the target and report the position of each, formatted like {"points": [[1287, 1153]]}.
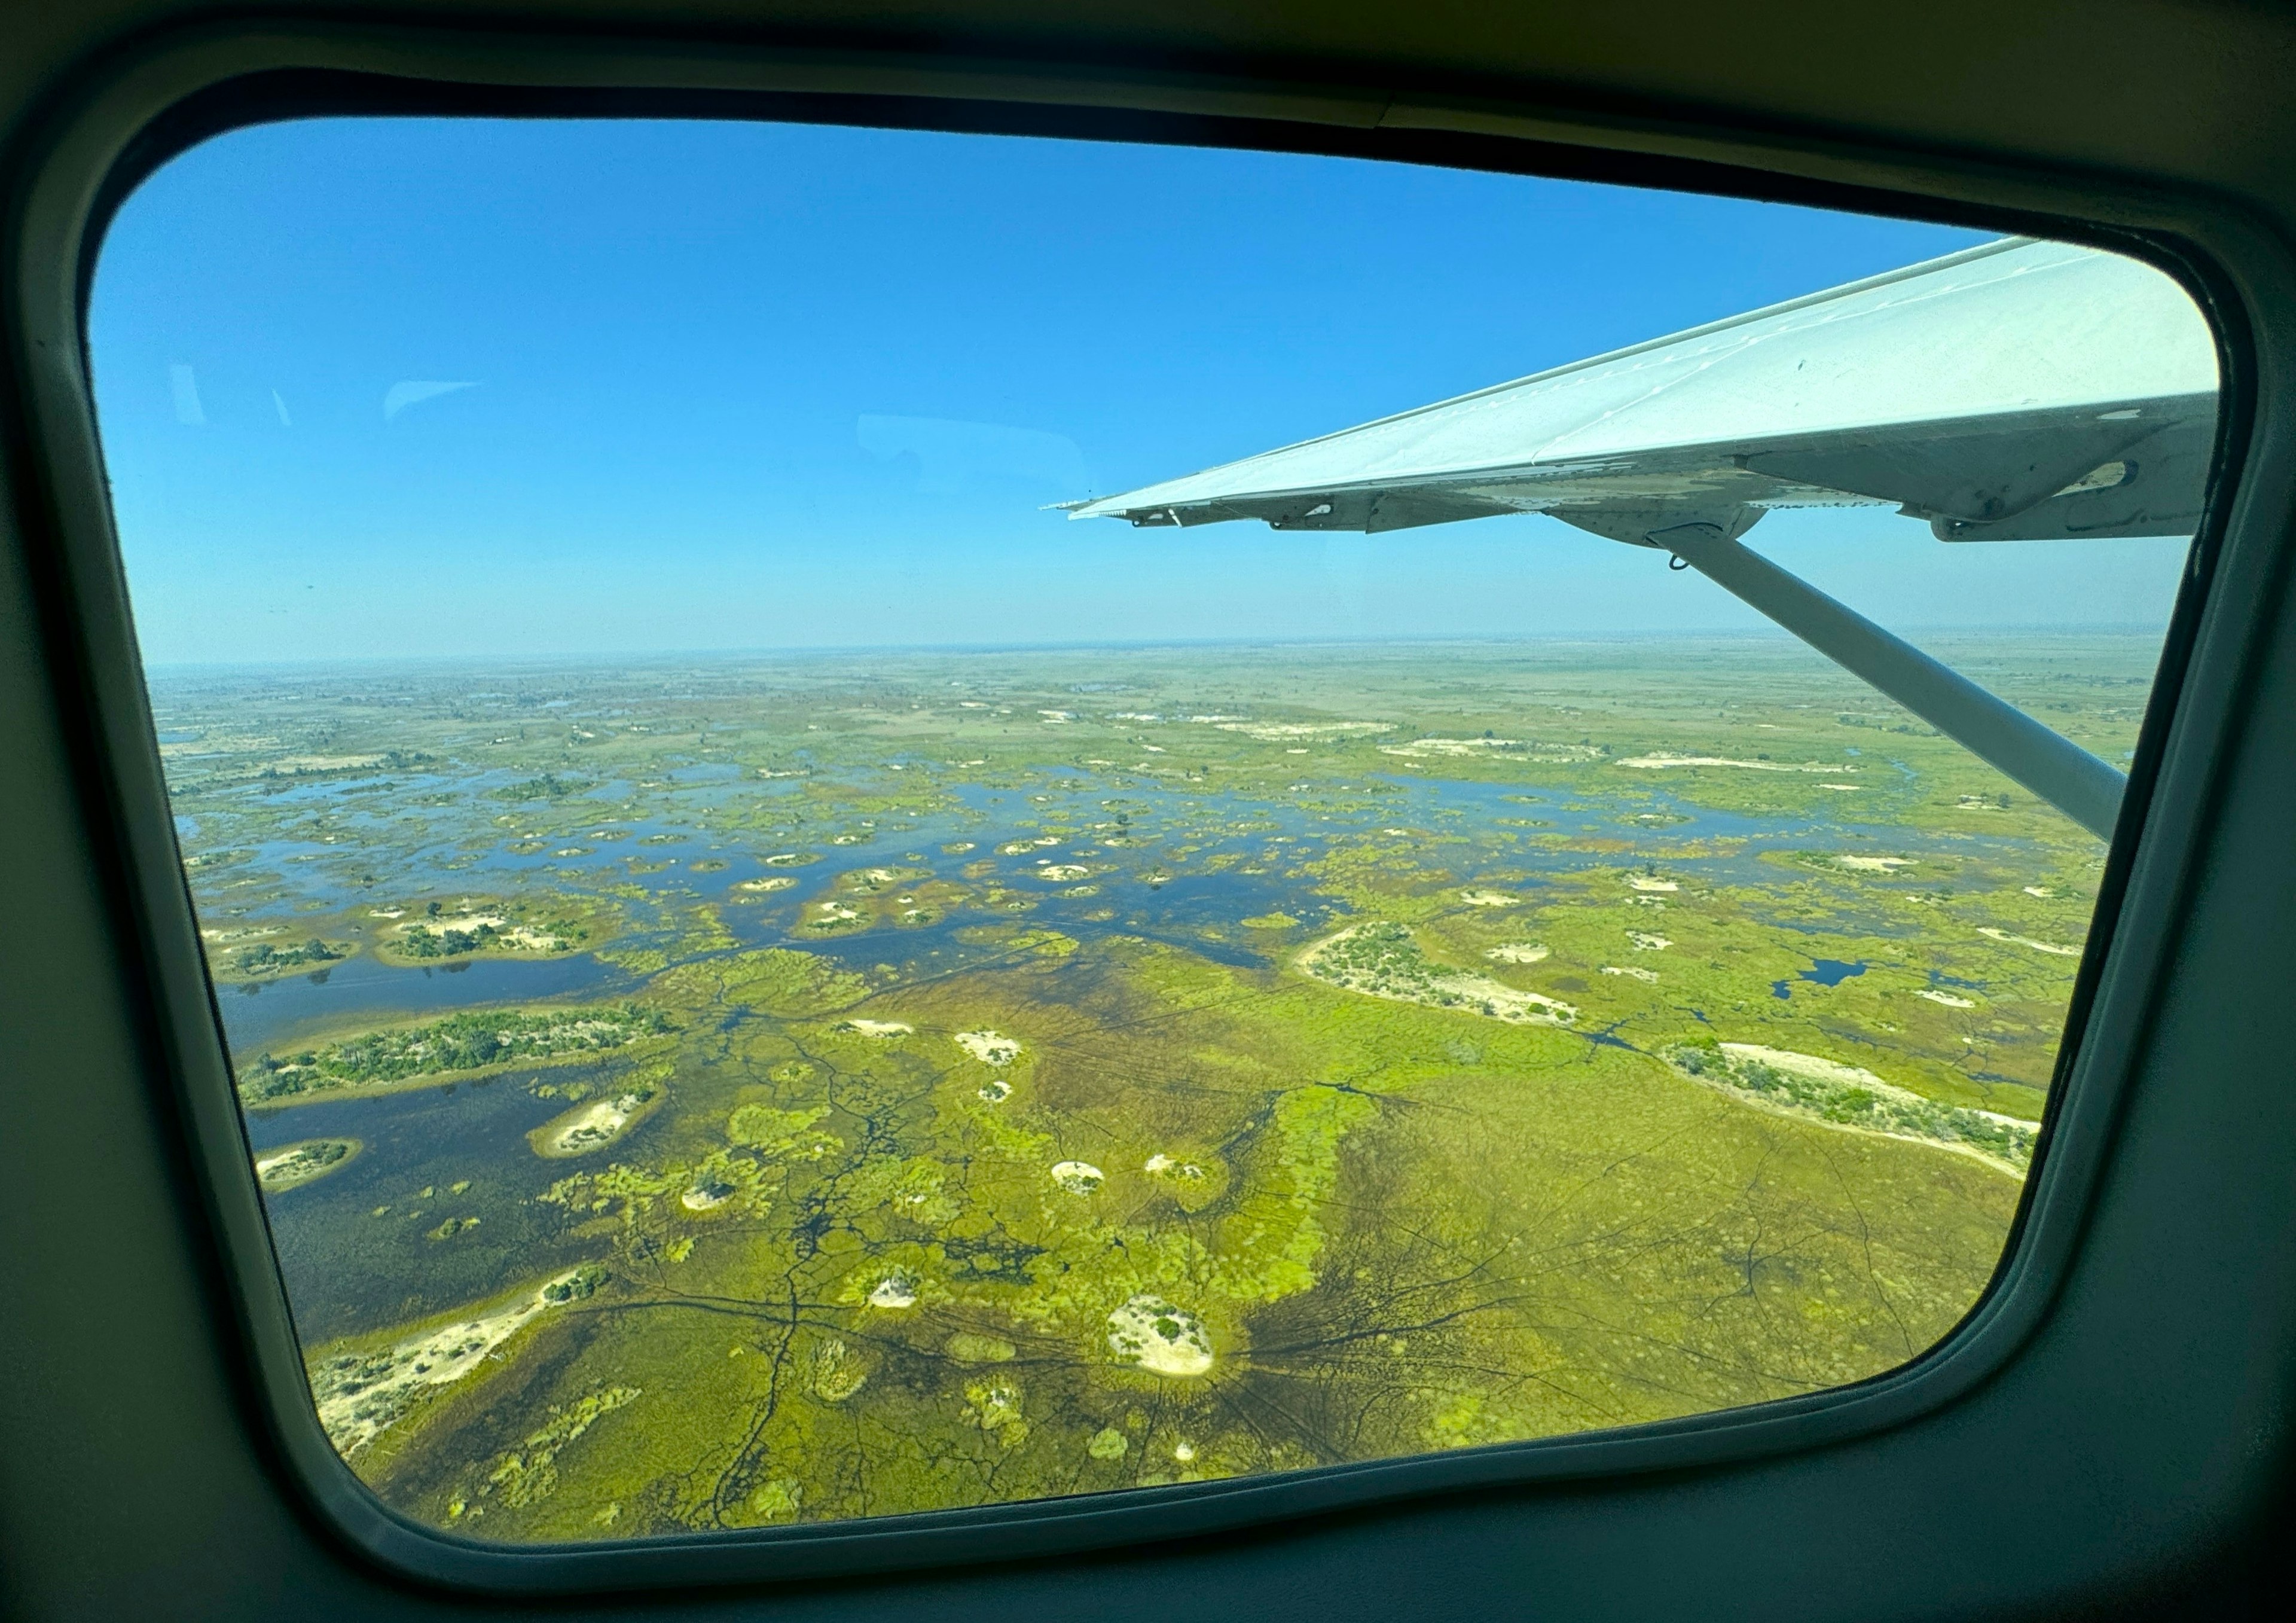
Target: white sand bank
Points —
{"points": [[1077, 1177], [989, 1047], [358, 1397], [1152, 1333], [590, 1126], [1660, 762], [878, 1027], [2038, 946]]}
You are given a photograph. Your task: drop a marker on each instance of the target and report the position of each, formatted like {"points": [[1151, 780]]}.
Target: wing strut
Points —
{"points": [[2053, 766]]}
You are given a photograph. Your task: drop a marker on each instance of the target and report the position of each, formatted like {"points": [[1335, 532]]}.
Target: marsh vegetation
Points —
{"points": [[933, 1079]]}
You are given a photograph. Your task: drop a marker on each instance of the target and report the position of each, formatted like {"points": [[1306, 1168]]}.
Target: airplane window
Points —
{"points": [[887, 821]]}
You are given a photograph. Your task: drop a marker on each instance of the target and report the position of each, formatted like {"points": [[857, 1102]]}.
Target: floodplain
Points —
{"points": [[716, 1092]]}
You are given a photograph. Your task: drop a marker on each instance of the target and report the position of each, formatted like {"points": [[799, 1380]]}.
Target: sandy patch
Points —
{"points": [[1947, 998], [1457, 748], [878, 1027], [519, 938], [1160, 1165], [989, 1047], [1916, 1119], [1077, 1177], [1631, 972], [291, 1166], [1279, 731], [357, 1396], [1490, 898], [995, 1090], [1875, 865], [1648, 885], [1517, 952], [1660, 762], [1642, 943], [1450, 746], [1810, 1065], [2038, 946], [896, 1290], [707, 1197], [828, 915], [2043, 891], [592, 1126], [1152, 1332], [1382, 961], [759, 886], [1062, 872], [1867, 1078]]}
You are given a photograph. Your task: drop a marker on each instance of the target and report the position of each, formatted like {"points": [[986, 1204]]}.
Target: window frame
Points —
{"points": [[131, 113]]}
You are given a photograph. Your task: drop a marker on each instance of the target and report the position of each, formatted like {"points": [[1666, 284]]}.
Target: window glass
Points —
{"points": [[837, 887]]}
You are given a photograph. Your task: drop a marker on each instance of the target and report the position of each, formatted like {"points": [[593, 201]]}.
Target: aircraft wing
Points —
{"points": [[2019, 391], [2016, 390]]}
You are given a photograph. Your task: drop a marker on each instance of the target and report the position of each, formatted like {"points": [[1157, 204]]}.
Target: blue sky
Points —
{"points": [[741, 386]]}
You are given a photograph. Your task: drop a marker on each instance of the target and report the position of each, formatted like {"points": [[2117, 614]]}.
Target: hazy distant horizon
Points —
{"points": [[634, 658]]}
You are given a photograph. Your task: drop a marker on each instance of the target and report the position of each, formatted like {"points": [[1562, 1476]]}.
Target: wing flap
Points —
{"points": [[2156, 486], [1978, 475]]}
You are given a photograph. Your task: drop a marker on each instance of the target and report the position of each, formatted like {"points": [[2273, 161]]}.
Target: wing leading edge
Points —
{"points": [[2016, 390], [2019, 391]]}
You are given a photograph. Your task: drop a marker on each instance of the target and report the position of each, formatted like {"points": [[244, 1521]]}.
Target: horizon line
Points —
{"points": [[823, 649]]}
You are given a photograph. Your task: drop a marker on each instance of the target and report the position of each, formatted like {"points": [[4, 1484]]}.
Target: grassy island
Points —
{"points": [[459, 1045]]}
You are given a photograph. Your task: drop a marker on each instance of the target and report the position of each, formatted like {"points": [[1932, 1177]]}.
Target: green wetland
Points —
{"points": [[748, 1090]]}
